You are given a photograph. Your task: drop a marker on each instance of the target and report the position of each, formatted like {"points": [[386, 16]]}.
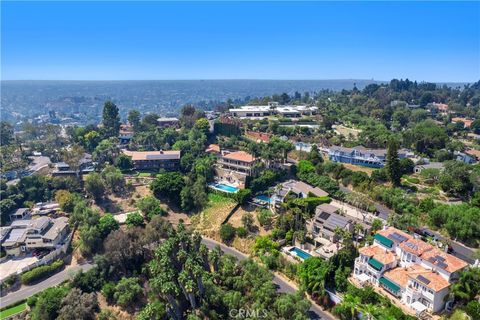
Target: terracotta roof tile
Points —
{"points": [[240, 156], [416, 246], [213, 148], [378, 253], [435, 281], [452, 263], [398, 275]]}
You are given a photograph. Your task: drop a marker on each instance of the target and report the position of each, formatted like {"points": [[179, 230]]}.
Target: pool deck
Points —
{"points": [[293, 257], [213, 186]]}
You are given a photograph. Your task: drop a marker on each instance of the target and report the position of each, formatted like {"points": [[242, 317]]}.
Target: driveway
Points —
{"points": [[56, 279], [12, 266]]}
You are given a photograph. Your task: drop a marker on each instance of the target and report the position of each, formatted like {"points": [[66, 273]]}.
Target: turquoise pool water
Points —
{"points": [[300, 253], [264, 198], [224, 187]]}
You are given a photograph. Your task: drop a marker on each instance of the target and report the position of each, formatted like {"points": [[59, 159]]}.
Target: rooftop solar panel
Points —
{"points": [[423, 279], [324, 215], [412, 246], [442, 265], [397, 237], [440, 258], [432, 260], [15, 234]]}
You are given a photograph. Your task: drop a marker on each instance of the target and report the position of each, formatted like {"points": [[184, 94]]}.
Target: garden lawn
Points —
{"points": [[13, 310], [144, 174]]}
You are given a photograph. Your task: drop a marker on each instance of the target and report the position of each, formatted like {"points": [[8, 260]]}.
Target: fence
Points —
{"points": [[48, 258]]}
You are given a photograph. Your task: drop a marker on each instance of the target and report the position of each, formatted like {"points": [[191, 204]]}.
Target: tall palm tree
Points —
{"points": [[351, 303], [368, 311]]}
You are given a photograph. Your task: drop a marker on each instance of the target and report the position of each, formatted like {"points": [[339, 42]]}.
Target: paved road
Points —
{"points": [[459, 250], [315, 311], [54, 280]]}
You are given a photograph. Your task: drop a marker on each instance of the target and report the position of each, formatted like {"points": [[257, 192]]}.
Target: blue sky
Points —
{"points": [[431, 41]]}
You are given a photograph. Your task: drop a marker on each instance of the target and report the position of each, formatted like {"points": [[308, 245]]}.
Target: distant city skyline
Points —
{"points": [[423, 41]]}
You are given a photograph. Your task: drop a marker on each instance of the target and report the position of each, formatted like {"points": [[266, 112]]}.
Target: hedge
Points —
{"points": [[41, 272]]}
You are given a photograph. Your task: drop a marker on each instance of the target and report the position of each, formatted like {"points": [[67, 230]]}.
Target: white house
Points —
{"points": [[413, 271]]}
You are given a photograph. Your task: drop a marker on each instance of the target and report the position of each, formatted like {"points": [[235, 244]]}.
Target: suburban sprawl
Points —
{"points": [[328, 204]]}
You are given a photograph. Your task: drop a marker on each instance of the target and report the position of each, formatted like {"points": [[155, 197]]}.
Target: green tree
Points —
{"points": [[455, 178], [113, 179], [6, 133], [134, 220], [111, 120], [72, 157], [66, 200], [150, 207], [91, 140], [227, 232], [243, 195], [155, 310], [107, 224], [248, 221], [168, 185], [78, 305], [467, 287], [106, 152], [127, 292], [315, 156], [134, 119], [47, 303], [94, 186], [392, 165], [265, 218], [124, 162]]}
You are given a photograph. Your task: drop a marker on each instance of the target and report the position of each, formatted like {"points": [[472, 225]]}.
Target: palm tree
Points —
{"points": [[352, 303], [357, 228], [368, 311]]}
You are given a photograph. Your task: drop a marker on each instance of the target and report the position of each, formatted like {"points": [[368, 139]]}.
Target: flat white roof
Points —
{"points": [[251, 108], [419, 307], [363, 277]]}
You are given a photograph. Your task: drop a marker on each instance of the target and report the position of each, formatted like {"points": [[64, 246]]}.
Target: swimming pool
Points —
{"points": [[224, 187], [300, 253], [264, 198]]}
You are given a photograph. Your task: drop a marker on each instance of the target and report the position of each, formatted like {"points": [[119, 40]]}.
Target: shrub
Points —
{"points": [[127, 291], [227, 232], [243, 195], [108, 290], [265, 217], [134, 220], [242, 232], [41, 272]]}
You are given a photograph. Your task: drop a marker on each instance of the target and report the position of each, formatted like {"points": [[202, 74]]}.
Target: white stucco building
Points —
{"points": [[413, 271]]}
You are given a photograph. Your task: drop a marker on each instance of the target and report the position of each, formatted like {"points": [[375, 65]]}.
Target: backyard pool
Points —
{"points": [[300, 253], [264, 198], [224, 187]]}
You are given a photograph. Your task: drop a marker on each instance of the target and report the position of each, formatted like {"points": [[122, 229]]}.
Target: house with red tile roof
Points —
{"points": [[234, 167], [466, 122], [415, 272]]}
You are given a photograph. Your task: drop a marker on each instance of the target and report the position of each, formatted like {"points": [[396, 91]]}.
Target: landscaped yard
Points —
{"points": [[13, 310]]}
